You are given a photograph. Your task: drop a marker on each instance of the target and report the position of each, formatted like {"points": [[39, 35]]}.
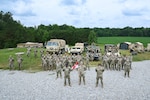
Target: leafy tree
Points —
{"points": [[92, 37]]}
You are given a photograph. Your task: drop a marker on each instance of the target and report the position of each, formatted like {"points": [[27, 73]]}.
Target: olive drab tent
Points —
{"points": [[125, 45], [139, 47], [148, 47]]}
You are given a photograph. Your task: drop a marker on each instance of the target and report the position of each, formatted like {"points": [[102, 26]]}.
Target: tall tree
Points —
{"points": [[92, 37]]}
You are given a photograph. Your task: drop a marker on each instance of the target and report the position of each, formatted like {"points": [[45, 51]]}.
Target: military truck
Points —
{"points": [[56, 46], [77, 49]]}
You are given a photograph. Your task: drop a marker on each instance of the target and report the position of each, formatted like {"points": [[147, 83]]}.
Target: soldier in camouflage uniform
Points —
{"points": [[35, 52], [11, 62], [123, 61], [28, 51], [81, 71], [99, 70], [67, 71], [127, 67], [42, 52], [19, 60], [44, 63], [58, 69]]}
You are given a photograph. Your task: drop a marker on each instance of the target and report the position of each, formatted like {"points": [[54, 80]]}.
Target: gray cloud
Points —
{"points": [[73, 2], [132, 12]]}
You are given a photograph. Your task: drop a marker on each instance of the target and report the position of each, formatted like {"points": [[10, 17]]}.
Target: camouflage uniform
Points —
{"points": [[81, 71], [58, 69], [44, 63], [35, 52], [127, 68], [67, 71], [11, 62], [28, 51], [99, 70], [119, 64], [19, 60], [41, 52], [123, 61]]}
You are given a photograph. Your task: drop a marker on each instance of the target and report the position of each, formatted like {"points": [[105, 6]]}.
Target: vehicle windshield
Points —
{"points": [[52, 44]]}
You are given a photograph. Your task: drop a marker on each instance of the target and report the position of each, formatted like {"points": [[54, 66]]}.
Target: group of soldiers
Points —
{"points": [[115, 62], [64, 62], [11, 62]]}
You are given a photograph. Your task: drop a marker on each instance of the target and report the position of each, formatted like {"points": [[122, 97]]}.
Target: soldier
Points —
{"points": [[99, 70], [11, 62], [28, 51], [67, 71], [44, 63], [81, 71], [58, 69], [41, 52], [19, 60], [35, 52], [127, 68], [130, 60], [119, 64], [123, 61]]}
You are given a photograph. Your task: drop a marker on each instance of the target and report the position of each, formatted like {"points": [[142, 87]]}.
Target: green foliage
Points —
{"points": [[92, 37]]}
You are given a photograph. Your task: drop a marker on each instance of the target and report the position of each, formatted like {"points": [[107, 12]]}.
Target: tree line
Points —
{"points": [[13, 32]]}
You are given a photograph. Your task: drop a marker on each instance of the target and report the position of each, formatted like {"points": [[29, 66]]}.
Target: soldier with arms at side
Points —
{"points": [[19, 60], [67, 71], [11, 62], [127, 67], [81, 71], [58, 69], [99, 70]]}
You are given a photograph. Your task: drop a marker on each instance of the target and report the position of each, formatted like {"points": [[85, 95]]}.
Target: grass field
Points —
{"points": [[34, 64], [116, 40], [29, 63]]}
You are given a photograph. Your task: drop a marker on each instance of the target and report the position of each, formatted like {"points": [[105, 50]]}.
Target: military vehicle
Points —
{"points": [[56, 46], [94, 52], [111, 49], [77, 49]]}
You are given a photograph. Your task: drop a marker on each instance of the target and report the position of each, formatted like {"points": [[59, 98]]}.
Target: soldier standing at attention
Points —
{"points": [[35, 52], [127, 67], [11, 62], [58, 69], [19, 60], [67, 71], [28, 51], [81, 70], [99, 70], [42, 52]]}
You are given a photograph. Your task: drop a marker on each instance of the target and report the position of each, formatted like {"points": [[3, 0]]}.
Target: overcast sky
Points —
{"points": [[80, 13]]}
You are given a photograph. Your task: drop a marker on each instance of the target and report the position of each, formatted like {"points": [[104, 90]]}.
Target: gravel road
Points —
{"points": [[21, 85]]}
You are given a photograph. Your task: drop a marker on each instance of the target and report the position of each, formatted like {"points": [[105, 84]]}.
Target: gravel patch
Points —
{"points": [[20, 85]]}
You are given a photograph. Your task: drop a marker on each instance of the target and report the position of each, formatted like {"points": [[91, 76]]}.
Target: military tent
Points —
{"points": [[125, 45], [148, 47], [138, 46]]}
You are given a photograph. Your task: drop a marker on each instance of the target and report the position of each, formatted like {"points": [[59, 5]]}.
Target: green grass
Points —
{"points": [[116, 40], [29, 63]]}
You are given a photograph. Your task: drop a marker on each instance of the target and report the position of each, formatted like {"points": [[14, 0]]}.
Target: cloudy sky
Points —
{"points": [[80, 13]]}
